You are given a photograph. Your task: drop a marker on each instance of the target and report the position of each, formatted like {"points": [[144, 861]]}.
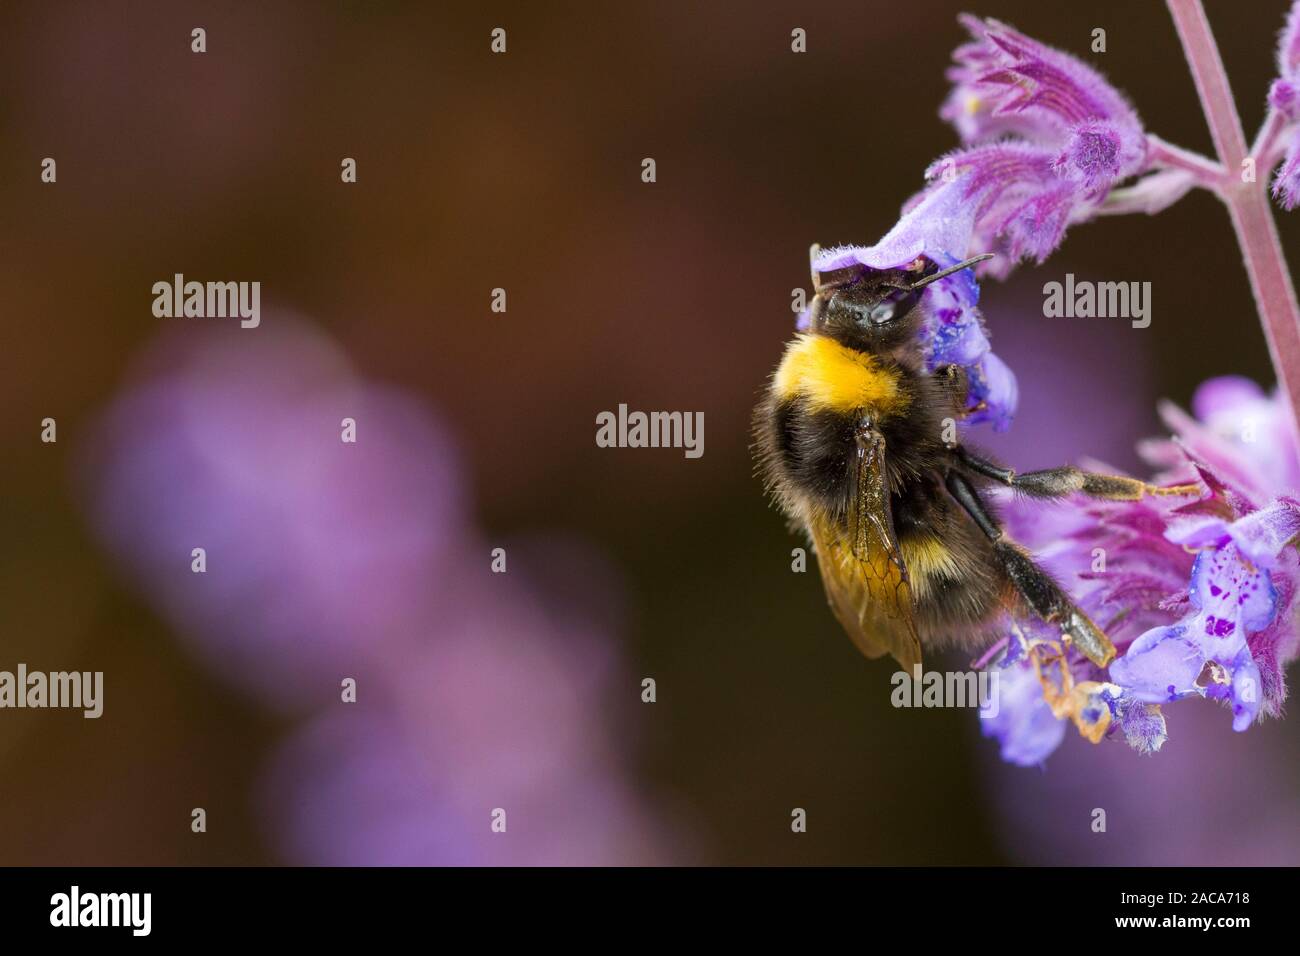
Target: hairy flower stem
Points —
{"points": [[1269, 146], [1206, 172], [1247, 202]]}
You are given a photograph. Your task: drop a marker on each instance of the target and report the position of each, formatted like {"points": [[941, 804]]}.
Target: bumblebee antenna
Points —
{"points": [[950, 270]]}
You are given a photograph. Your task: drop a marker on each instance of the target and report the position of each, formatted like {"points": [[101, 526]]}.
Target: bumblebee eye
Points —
{"points": [[866, 308], [881, 313]]}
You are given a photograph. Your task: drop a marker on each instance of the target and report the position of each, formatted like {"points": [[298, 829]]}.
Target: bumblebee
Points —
{"points": [[850, 440]]}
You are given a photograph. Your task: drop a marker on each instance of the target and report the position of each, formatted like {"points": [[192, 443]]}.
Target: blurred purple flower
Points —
{"points": [[231, 443], [1198, 597], [504, 714], [329, 560]]}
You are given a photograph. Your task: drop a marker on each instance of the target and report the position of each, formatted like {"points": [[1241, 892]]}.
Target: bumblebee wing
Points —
{"points": [[862, 569], [870, 599]]}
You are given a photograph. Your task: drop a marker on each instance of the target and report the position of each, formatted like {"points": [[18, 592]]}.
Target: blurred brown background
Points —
{"points": [[522, 171]]}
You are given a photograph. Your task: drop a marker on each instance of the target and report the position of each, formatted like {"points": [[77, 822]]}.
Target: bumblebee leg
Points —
{"points": [[1059, 482], [1043, 595]]}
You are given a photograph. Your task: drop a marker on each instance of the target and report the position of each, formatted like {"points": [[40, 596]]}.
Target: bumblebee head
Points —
{"points": [[874, 310]]}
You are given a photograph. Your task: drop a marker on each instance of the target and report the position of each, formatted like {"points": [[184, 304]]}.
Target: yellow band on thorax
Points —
{"points": [[831, 376]]}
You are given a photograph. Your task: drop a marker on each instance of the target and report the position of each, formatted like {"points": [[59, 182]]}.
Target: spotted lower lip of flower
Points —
{"points": [[1206, 653], [1229, 633]]}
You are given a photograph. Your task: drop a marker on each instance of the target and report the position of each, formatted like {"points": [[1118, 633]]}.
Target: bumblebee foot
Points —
{"points": [[1079, 631], [1175, 490]]}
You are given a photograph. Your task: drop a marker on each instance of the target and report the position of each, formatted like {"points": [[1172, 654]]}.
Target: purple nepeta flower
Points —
{"points": [[1286, 184], [1025, 727], [1288, 43], [1206, 652], [1045, 138], [1045, 141], [1284, 98], [1005, 83], [1197, 596], [954, 334], [1041, 685]]}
